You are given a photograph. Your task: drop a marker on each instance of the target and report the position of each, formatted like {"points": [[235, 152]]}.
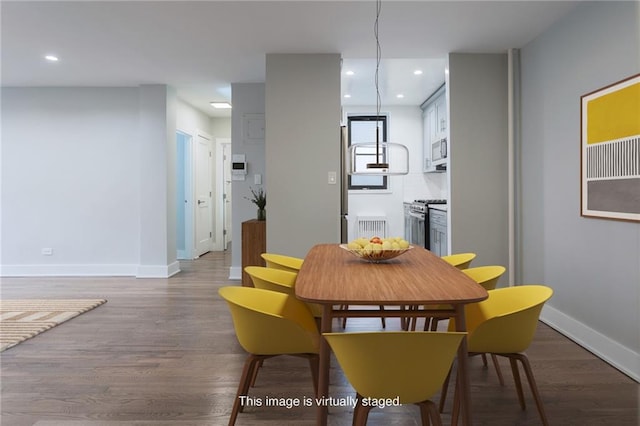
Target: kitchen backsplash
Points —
{"points": [[425, 186]]}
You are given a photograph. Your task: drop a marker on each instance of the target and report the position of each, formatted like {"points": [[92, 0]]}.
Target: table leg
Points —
{"points": [[463, 382], [323, 373]]}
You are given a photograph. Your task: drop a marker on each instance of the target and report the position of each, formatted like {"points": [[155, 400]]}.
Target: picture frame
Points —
{"points": [[610, 151]]}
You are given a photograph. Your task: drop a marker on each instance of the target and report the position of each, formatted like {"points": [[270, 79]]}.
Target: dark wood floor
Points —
{"points": [[163, 352]]}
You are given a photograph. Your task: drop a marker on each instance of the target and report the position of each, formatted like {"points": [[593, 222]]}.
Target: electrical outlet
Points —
{"points": [[47, 251]]}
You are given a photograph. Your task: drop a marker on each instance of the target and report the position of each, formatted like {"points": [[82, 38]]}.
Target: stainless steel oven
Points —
{"points": [[419, 222], [417, 226]]}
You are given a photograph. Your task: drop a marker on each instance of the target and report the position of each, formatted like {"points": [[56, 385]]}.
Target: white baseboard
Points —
{"points": [[173, 268], [158, 271], [139, 271], [68, 270], [610, 351], [235, 273]]}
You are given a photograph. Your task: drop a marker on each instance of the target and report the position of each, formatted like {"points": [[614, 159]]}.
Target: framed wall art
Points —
{"points": [[610, 151]]}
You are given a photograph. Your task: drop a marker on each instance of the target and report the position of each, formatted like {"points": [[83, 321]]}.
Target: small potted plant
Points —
{"points": [[259, 198]]}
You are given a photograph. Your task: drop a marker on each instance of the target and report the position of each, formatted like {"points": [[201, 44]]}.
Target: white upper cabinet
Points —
{"points": [[435, 131]]}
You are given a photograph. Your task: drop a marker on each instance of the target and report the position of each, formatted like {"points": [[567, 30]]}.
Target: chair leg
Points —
{"points": [[434, 414], [429, 414], [424, 413], [407, 321], [443, 394], [414, 320], [494, 358], [516, 378], [384, 324], [314, 364], [360, 412], [403, 320], [433, 324], [455, 411], [484, 359], [344, 319], [243, 386], [255, 373], [245, 382], [533, 386]]}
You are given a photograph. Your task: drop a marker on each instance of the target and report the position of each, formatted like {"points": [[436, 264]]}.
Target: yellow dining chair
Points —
{"points": [[278, 280], [293, 264], [409, 366], [280, 261], [504, 325], [486, 276], [459, 260], [268, 324], [282, 281]]}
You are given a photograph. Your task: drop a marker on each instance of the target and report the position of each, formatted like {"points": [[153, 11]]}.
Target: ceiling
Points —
{"points": [[201, 47]]}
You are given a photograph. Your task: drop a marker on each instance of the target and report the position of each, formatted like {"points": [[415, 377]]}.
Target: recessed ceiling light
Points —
{"points": [[347, 95], [417, 72], [399, 96], [349, 73], [52, 58], [221, 105]]}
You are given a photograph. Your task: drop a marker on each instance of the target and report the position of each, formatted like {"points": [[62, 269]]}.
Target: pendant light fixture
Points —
{"points": [[388, 158]]}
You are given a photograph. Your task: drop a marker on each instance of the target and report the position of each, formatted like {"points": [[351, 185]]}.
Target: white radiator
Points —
{"points": [[371, 226]]}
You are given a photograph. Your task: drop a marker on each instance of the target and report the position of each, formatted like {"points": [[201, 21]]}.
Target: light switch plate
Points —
{"points": [[332, 178]]}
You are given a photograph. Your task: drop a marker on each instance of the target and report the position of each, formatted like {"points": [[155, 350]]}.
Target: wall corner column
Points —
{"points": [[157, 133]]}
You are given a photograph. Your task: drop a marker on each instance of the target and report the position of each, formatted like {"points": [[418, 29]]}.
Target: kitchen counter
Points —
{"points": [[442, 207]]}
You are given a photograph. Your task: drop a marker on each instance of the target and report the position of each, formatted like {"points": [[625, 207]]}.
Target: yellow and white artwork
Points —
{"points": [[610, 151]]}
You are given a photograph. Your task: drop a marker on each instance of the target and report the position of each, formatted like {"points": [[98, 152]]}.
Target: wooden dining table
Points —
{"points": [[336, 279]]}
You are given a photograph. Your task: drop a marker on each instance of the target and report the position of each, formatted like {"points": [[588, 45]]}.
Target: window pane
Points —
{"points": [[362, 129]]}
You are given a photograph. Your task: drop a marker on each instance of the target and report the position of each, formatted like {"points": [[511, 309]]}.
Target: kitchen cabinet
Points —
{"points": [[438, 232], [435, 131]]}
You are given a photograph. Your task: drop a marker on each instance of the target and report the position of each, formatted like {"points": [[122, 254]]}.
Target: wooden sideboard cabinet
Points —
{"points": [[254, 243]]}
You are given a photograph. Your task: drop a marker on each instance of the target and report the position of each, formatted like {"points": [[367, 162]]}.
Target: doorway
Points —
{"points": [[194, 201], [203, 182], [223, 193], [184, 197]]}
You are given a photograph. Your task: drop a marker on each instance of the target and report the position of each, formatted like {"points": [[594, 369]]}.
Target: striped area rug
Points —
{"points": [[21, 319]]}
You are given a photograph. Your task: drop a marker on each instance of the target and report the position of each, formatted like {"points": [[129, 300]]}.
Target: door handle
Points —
{"points": [[200, 202]]}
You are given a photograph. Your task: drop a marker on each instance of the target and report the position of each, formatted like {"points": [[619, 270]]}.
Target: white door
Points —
{"points": [[184, 200], [222, 197], [204, 191], [227, 193]]}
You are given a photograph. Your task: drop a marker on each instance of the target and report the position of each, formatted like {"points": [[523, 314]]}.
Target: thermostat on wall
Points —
{"points": [[238, 167]]}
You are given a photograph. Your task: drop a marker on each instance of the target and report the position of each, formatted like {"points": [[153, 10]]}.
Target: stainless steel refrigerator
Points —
{"points": [[344, 185]]}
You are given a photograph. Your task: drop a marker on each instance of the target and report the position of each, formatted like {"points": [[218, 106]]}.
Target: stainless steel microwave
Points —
{"points": [[438, 151]]}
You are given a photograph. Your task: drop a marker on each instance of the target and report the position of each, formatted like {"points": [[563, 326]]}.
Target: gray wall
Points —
{"points": [[592, 264], [94, 180], [246, 98], [157, 180], [221, 127], [302, 146], [478, 167]]}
